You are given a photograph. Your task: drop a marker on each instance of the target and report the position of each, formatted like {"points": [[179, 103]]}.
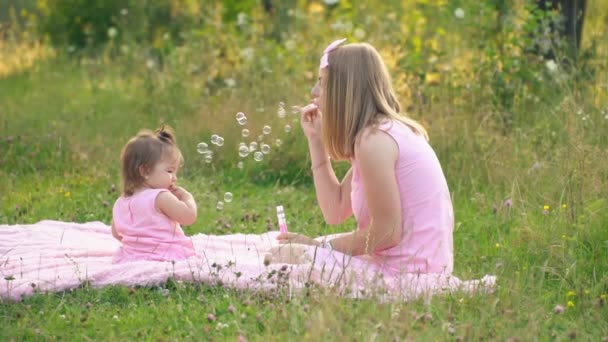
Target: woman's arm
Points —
{"points": [[376, 154], [333, 196], [178, 205]]}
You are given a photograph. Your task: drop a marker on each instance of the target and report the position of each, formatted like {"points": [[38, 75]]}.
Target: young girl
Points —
{"points": [[147, 216], [395, 188]]}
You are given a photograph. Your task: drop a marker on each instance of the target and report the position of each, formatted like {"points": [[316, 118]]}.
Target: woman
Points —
{"points": [[395, 187]]}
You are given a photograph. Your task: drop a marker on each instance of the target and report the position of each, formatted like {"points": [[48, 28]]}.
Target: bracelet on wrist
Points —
{"points": [[319, 164]]}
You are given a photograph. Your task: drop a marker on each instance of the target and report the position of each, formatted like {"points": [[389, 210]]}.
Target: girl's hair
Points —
{"points": [[357, 93], [143, 152]]}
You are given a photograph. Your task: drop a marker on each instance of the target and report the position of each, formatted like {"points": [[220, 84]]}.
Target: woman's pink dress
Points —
{"points": [[427, 214]]}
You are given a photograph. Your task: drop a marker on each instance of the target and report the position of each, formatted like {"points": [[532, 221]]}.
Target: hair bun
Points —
{"points": [[164, 134]]}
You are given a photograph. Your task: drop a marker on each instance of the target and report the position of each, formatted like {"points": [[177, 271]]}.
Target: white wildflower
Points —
{"points": [[459, 13]]}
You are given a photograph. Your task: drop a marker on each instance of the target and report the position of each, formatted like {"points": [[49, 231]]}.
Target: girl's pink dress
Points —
{"points": [[146, 233], [427, 214]]}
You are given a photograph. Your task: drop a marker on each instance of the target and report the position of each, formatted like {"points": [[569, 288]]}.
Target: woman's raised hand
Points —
{"points": [[310, 119]]}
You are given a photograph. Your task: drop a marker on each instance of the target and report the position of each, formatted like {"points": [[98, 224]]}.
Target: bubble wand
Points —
{"points": [[281, 218]]}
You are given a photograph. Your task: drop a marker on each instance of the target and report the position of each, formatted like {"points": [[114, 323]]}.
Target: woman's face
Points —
{"points": [[317, 90]]}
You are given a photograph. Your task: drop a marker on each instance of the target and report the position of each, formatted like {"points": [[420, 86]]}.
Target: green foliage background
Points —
{"points": [[523, 145]]}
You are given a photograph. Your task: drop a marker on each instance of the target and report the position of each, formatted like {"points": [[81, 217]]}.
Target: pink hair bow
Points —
{"points": [[328, 49]]}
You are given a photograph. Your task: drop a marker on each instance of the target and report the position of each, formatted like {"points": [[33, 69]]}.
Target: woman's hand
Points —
{"points": [[310, 119], [297, 238], [288, 254]]}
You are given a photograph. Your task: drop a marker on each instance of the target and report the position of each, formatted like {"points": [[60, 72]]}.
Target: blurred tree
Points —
{"points": [[571, 27]]}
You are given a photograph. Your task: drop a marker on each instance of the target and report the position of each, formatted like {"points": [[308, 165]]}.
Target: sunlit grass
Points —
{"points": [[528, 177]]}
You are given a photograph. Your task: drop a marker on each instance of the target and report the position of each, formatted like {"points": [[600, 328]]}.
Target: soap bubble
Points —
{"points": [[278, 142], [266, 130], [228, 197], [265, 148], [243, 151], [260, 137], [202, 148], [241, 118], [208, 157], [258, 156], [253, 146], [245, 132], [240, 164], [219, 141], [287, 128], [214, 138], [281, 112], [220, 205]]}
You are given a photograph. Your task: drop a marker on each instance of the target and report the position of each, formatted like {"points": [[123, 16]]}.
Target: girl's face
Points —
{"points": [[163, 175], [317, 90]]}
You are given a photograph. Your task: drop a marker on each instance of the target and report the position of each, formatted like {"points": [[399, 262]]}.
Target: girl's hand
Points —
{"points": [[297, 238], [179, 192], [310, 119]]}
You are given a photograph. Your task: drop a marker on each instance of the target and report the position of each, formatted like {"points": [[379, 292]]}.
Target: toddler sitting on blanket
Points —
{"points": [[146, 218]]}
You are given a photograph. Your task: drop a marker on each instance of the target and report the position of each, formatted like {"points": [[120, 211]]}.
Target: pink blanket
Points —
{"points": [[57, 256]]}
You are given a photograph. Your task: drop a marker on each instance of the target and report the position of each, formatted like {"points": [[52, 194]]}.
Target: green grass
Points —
{"points": [[63, 122]]}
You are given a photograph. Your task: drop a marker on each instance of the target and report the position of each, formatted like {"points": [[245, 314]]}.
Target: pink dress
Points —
{"points": [[427, 214], [146, 233]]}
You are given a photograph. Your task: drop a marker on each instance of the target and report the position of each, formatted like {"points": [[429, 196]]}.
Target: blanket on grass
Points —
{"points": [[53, 256]]}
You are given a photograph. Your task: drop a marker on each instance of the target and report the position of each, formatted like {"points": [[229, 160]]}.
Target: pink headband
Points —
{"points": [[328, 49]]}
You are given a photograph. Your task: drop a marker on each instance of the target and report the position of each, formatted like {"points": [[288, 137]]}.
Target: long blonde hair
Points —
{"points": [[357, 93]]}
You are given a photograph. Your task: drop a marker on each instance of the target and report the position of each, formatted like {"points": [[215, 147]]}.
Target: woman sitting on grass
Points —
{"points": [[146, 218], [395, 188]]}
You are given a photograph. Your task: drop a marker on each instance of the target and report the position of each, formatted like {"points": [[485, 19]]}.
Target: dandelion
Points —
{"points": [[603, 296], [564, 206], [115, 317], [150, 64], [570, 304], [359, 33], [546, 207], [551, 65], [112, 32], [571, 294], [230, 82], [459, 13], [67, 194], [497, 245]]}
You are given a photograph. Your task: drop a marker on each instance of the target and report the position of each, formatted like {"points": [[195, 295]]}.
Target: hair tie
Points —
{"points": [[328, 49]]}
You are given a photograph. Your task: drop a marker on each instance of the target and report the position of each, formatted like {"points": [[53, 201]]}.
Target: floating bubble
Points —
{"points": [[253, 146], [258, 156], [208, 158], [245, 132], [240, 165], [287, 128], [265, 148], [241, 118], [243, 151], [260, 137], [281, 104], [202, 148], [214, 139], [220, 205], [278, 142], [266, 130], [281, 112], [228, 197], [219, 141]]}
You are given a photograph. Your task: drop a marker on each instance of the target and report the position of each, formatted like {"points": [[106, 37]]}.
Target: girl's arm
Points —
{"points": [[333, 196], [178, 204], [115, 232], [376, 154]]}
